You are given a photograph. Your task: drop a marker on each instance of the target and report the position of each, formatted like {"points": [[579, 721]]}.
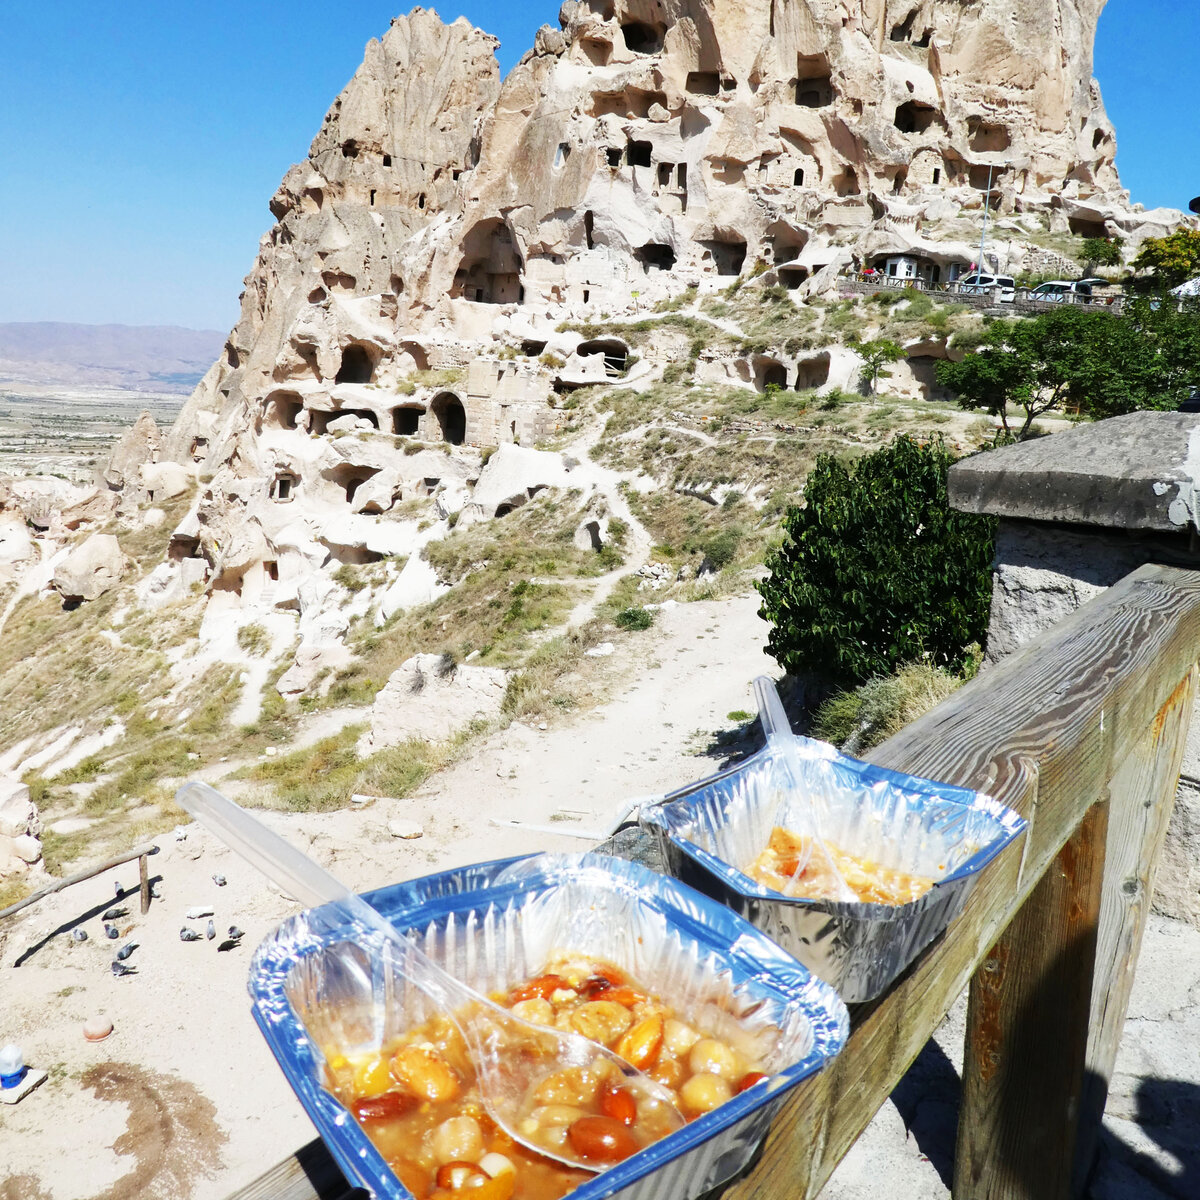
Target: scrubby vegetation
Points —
{"points": [[863, 717]]}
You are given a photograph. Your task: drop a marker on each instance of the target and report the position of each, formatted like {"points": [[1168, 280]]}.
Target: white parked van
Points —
{"points": [[978, 284]]}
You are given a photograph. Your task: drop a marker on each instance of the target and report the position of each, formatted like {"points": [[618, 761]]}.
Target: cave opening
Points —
{"points": [[642, 38], [357, 366], [451, 417]]}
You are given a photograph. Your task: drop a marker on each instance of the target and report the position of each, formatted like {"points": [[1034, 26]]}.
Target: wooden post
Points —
{"points": [[1141, 797], [1027, 1034], [144, 883]]}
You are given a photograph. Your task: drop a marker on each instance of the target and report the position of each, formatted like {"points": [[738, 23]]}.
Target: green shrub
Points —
{"points": [[721, 548], [876, 569], [348, 576], [633, 618]]}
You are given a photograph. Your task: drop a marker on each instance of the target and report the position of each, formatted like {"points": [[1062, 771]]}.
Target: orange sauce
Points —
{"points": [[792, 863]]}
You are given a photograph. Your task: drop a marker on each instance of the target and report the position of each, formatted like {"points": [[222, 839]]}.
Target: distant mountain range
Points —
{"points": [[144, 358]]}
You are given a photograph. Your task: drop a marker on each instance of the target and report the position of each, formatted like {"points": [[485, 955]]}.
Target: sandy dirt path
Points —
{"points": [[183, 1101]]}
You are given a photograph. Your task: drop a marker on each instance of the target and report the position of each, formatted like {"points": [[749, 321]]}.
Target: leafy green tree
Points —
{"points": [[876, 569], [1102, 252], [1092, 361], [1173, 259], [875, 357], [1019, 364]]}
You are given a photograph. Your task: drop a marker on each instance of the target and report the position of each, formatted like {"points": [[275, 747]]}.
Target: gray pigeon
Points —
{"points": [[126, 950], [120, 891], [114, 913], [235, 932], [219, 880], [79, 935], [111, 931], [188, 935], [211, 931], [119, 969]]}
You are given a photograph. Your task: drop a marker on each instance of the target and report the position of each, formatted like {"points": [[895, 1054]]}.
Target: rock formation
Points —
{"points": [[20, 828], [644, 146], [91, 569], [429, 255]]}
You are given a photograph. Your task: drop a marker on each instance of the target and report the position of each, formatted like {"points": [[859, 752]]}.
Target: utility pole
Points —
{"points": [[987, 204]]}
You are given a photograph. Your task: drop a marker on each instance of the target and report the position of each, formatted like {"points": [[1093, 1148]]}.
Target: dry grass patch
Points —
{"points": [[863, 717], [324, 777]]}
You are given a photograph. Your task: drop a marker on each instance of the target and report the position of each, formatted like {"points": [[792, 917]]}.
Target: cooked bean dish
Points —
{"points": [[795, 865], [418, 1099]]}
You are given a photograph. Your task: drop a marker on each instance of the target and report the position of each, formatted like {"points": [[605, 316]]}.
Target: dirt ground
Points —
{"points": [[184, 1101]]}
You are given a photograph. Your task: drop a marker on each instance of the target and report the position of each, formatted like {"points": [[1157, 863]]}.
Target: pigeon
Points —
{"points": [[120, 891], [219, 880], [229, 944], [79, 935], [155, 891], [111, 931], [211, 931], [114, 913], [119, 969], [126, 950], [188, 935], [235, 933]]}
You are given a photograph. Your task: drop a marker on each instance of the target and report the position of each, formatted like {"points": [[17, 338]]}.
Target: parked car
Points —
{"points": [[1056, 291], [979, 284]]}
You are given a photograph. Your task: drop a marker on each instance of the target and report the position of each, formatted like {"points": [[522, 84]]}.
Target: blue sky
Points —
{"points": [[143, 139]]}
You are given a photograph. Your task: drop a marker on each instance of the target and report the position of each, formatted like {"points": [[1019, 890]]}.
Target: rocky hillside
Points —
{"points": [[517, 361]]}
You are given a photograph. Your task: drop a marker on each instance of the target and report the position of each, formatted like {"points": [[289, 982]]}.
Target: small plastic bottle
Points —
{"points": [[12, 1066]]}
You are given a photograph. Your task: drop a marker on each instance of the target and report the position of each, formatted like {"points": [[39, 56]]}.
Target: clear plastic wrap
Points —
{"points": [[710, 831], [494, 925]]}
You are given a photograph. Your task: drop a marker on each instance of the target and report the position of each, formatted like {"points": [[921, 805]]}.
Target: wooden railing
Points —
{"points": [[141, 853], [1082, 731]]}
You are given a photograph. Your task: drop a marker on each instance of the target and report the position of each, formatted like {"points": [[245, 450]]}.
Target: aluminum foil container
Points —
{"points": [[316, 992], [710, 831]]}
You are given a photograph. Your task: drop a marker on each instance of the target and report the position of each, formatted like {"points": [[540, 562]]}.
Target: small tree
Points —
{"points": [[1003, 370], [1102, 252], [875, 357], [1099, 364], [876, 569], [1172, 260]]}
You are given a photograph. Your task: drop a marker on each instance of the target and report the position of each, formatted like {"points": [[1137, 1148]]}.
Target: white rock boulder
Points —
{"points": [[511, 478], [91, 569], [165, 480], [20, 827]]}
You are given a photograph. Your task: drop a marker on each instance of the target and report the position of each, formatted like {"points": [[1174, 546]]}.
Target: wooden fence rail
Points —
{"points": [[1082, 732], [141, 854]]}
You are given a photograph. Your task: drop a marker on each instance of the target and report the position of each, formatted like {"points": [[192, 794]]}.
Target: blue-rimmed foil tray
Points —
{"points": [[314, 992], [710, 830]]}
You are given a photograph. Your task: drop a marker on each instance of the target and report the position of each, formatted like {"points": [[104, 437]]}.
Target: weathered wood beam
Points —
{"points": [[309, 1174], [58, 885], [1027, 1033]]}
